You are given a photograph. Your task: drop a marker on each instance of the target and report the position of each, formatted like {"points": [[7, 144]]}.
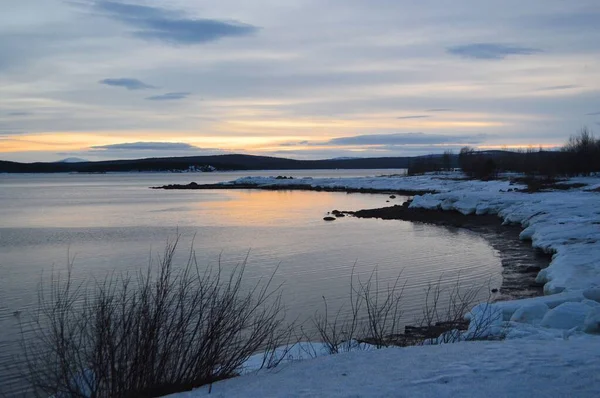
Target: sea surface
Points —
{"points": [[104, 223]]}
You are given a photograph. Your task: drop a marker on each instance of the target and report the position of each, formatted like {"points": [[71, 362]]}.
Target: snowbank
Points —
{"points": [[515, 368], [440, 183]]}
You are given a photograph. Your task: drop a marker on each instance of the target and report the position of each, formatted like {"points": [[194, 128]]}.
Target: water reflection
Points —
{"points": [[114, 223]]}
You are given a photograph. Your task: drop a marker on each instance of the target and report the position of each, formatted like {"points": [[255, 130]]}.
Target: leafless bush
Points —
{"points": [[374, 315], [166, 330], [444, 312]]}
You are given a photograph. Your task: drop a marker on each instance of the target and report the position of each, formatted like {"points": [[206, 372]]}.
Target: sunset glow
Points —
{"points": [[86, 79]]}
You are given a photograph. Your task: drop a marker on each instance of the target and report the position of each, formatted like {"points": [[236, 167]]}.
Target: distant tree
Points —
{"points": [[465, 158], [584, 151], [447, 160], [424, 164]]}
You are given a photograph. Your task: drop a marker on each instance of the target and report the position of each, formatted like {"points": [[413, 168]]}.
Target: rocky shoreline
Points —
{"points": [[520, 261]]}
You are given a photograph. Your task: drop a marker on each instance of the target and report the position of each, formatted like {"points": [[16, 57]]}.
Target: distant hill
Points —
{"points": [[73, 160], [221, 162]]}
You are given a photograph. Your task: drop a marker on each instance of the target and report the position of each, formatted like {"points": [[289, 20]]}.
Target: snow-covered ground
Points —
{"points": [[551, 342], [513, 368]]}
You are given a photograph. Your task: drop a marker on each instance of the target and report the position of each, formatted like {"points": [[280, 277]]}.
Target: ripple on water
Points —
{"points": [[274, 229]]}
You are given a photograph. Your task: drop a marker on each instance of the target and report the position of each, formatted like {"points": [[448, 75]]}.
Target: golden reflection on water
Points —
{"points": [[265, 208]]}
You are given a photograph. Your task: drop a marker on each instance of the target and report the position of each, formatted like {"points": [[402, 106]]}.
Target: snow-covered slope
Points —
{"points": [[515, 368]]}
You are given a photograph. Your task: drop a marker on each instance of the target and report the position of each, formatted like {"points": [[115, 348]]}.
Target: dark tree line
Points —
{"points": [[432, 163], [580, 156]]}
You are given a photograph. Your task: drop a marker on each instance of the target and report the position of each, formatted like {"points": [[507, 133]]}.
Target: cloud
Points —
{"points": [[171, 26], [296, 143], [572, 20], [593, 113], [128, 83], [169, 97], [553, 88], [438, 110], [20, 113], [413, 117], [147, 146], [141, 149], [407, 139], [490, 50]]}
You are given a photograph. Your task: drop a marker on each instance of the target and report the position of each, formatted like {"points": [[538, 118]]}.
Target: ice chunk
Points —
{"points": [[566, 316], [530, 313], [593, 293]]}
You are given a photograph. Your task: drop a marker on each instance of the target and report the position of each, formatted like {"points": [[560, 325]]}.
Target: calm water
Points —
{"points": [[114, 222]]}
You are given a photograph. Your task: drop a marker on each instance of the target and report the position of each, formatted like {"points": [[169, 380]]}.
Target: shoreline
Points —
{"points": [[292, 187], [520, 261]]}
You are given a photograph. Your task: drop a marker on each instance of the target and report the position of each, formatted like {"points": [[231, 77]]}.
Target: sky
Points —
{"points": [[305, 79]]}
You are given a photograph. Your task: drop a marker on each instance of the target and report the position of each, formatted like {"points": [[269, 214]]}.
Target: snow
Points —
{"points": [[592, 321], [530, 313], [592, 293], [566, 316], [551, 342], [516, 368], [440, 183]]}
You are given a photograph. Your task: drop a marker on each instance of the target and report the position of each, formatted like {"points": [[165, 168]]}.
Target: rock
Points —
{"points": [[593, 293], [566, 316], [494, 290], [392, 196], [530, 313], [328, 218], [339, 215], [591, 324]]}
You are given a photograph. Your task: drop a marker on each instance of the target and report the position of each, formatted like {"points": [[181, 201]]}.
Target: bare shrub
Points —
{"points": [[450, 314], [166, 330], [374, 316], [444, 313]]}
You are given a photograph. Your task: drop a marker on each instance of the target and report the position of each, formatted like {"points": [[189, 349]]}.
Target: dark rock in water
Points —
{"points": [[328, 218], [392, 196], [335, 212], [387, 201], [284, 178], [494, 290], [338, 215]]}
